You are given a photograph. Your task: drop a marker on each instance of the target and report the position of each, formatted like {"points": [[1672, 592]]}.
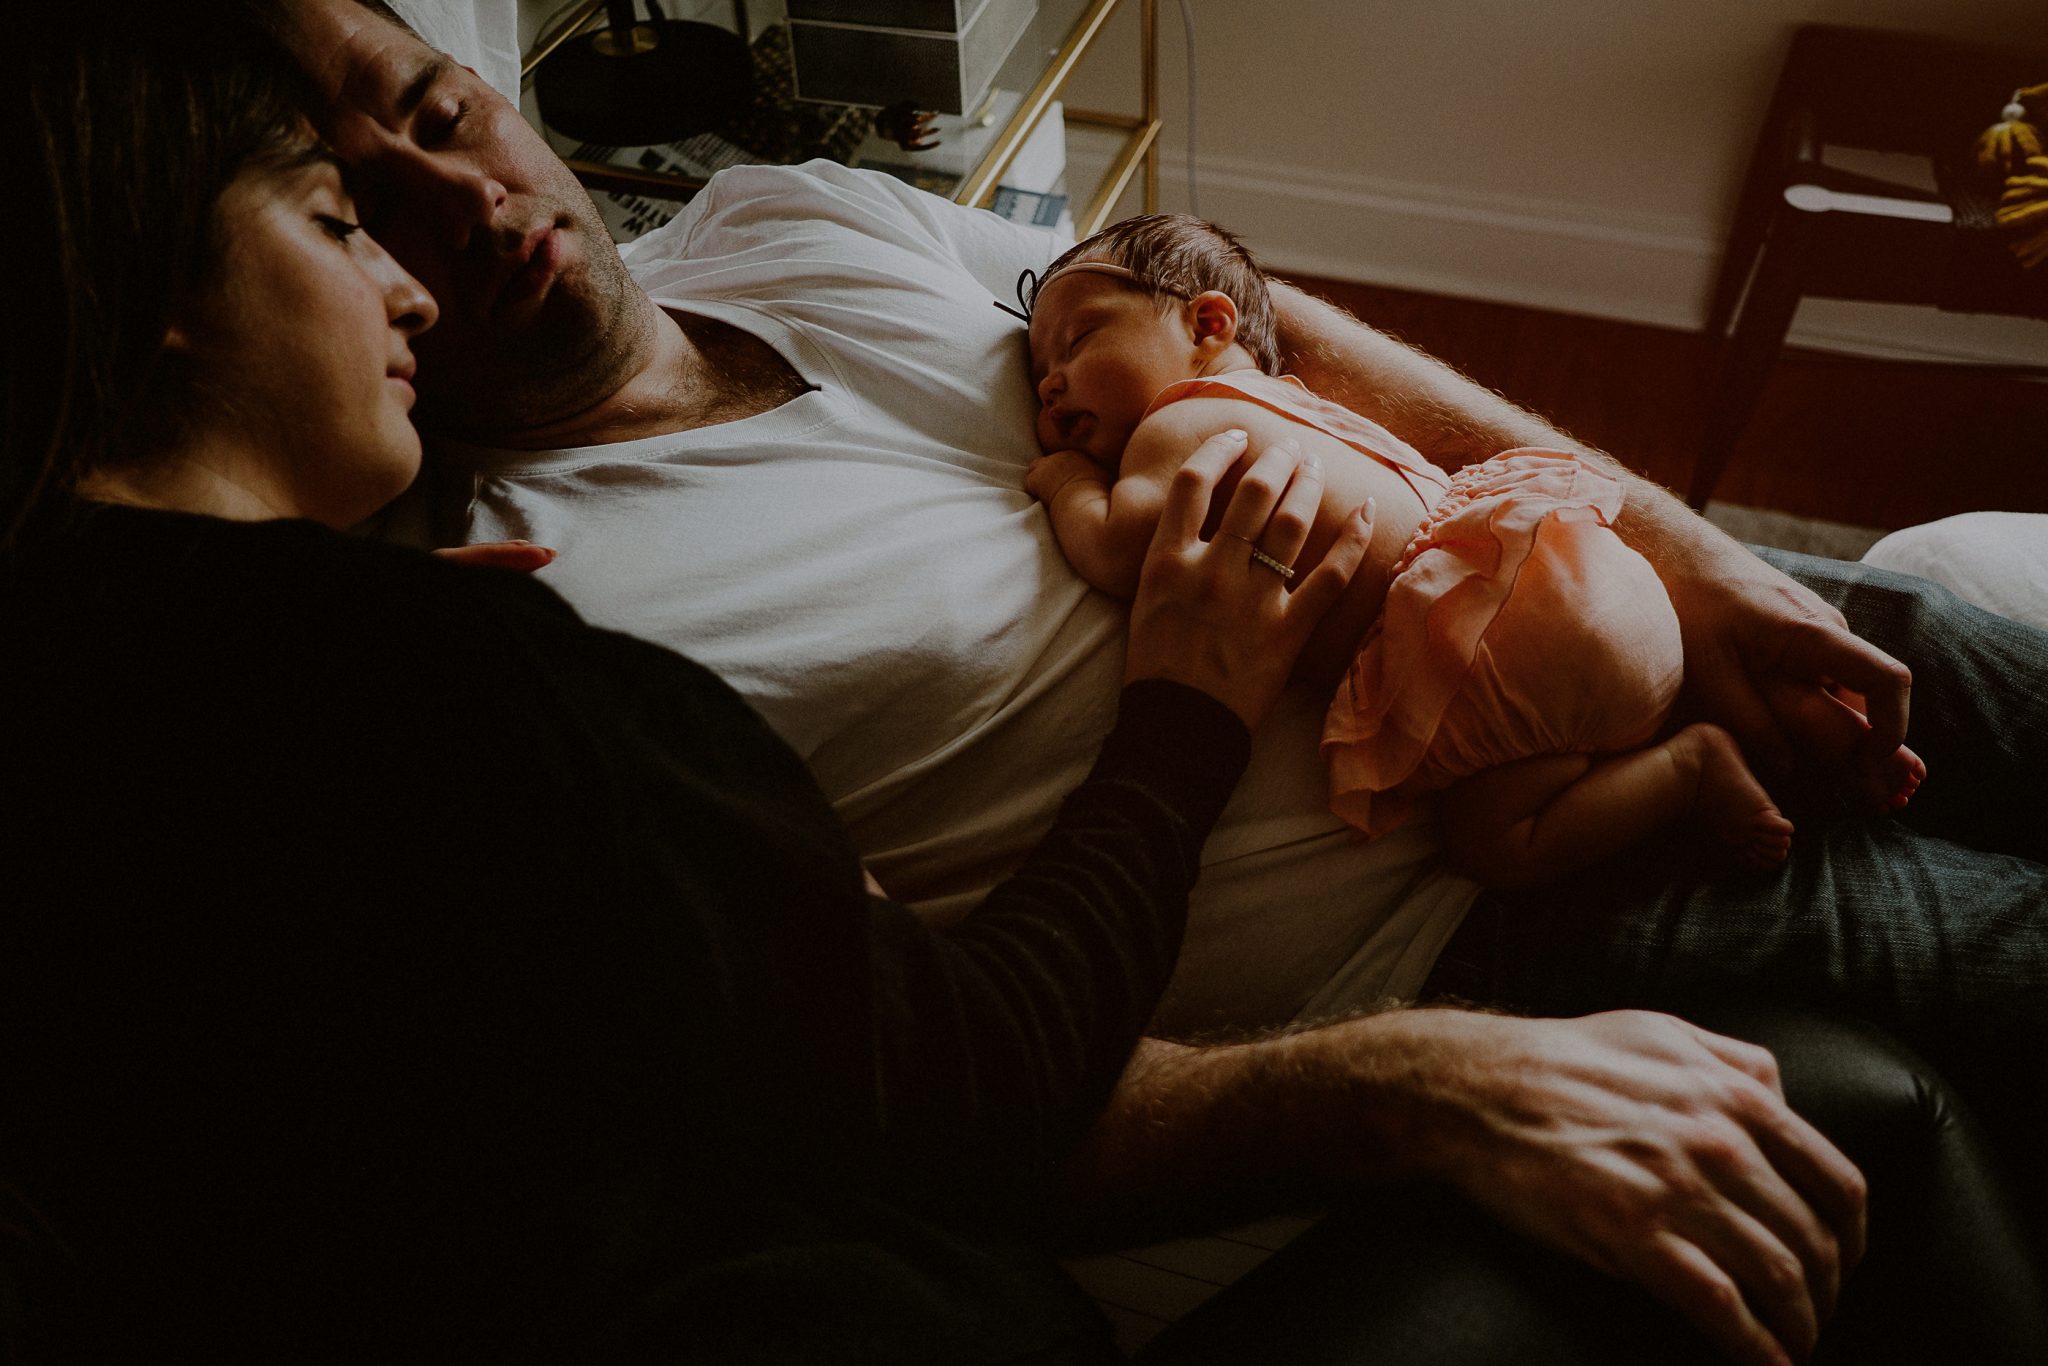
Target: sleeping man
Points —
{"points": [[787, 436]]}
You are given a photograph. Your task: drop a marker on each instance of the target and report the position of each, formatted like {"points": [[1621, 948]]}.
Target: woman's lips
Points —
{"points": [[401, 375]]}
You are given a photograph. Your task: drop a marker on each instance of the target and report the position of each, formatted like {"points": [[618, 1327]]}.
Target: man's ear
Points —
{"points": [[1214, 316]]}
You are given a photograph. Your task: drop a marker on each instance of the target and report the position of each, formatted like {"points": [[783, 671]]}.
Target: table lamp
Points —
{"points": [[636, 82]]}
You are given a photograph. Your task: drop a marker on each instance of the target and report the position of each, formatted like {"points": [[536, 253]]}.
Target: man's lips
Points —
{"points": [[528, 270]]}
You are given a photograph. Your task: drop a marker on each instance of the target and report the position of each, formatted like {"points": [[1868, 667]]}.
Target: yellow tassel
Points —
{"points": [[2007, 144], [2012, 150]]}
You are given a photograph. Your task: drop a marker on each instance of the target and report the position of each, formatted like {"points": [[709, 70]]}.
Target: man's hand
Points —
{"points": [[1660, 1153], [1643, 1145], [1781, 669]]}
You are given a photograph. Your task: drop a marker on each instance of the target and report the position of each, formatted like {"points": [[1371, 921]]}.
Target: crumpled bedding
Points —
{"points": [[1997, 560]]}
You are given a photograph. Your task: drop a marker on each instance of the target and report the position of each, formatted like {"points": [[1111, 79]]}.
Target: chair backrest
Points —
{"points": [[1903, 92]]}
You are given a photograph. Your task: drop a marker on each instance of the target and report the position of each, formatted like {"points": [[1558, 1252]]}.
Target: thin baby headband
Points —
{"points": [[1030, 286]]}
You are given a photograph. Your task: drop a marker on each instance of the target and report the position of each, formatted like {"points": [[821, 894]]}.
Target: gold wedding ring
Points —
{"points": [[1286, 572]]}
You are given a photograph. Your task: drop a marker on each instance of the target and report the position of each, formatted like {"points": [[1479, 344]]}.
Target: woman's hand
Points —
{"points": [[1217, 615], [521, 557]]}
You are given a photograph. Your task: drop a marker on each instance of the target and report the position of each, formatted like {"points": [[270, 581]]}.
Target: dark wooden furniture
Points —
{"points": [[1806, 228]]}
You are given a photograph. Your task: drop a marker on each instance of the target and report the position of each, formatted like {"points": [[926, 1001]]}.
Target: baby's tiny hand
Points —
{"points": [[1048, 474]]}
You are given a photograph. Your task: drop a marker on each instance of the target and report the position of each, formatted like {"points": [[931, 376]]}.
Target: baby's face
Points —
{"points": [[1100, 351]]}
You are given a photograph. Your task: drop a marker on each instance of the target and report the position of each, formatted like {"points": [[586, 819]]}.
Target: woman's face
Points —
{"points": [[299, 347]]}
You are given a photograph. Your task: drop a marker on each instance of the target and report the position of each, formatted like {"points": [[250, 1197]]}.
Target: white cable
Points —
{"points": [[1187, 24]]}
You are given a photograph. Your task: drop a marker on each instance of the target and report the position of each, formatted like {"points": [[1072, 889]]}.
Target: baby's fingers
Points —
{"points": [[1041, 477], [1048, 475]]}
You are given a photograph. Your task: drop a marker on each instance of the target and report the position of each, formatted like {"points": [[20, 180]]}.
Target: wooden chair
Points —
{"points": [[1804, 228]]}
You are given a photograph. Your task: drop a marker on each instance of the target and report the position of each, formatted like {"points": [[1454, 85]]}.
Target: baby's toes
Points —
{"points": [[1765, 852], [1765, 842], [1903, 772]]}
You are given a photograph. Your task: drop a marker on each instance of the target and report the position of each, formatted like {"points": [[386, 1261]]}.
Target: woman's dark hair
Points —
{"points": [[122, 126], [1177, 256]]}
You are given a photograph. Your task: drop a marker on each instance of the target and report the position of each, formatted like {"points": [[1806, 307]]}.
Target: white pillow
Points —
{"points": [[1998, 560], [481, 34]]}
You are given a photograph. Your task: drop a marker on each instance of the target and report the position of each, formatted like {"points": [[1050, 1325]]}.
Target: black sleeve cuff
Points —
{"points": [[1179, 740]]}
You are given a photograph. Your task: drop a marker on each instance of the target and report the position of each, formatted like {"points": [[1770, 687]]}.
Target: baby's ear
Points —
{"points": [[1215, 320]]}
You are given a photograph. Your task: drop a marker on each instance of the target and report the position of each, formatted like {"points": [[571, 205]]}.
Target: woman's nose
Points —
{"points": [[407, 303], [412, 309]]}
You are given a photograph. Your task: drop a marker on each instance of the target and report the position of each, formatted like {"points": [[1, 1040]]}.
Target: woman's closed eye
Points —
{"points": [[340, 229]]}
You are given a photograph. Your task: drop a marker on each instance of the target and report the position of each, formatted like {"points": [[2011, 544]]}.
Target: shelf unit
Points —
{"points": [[1059, 37]]}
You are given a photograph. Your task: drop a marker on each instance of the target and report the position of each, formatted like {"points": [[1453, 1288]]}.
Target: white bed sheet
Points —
{"points": [[481, 34]]}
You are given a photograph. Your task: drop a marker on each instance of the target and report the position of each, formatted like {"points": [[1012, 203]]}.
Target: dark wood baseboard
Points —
{"points": [[1873, 443]]}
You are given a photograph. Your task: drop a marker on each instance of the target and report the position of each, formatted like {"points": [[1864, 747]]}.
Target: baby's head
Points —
{"points": [[1137, 307]]}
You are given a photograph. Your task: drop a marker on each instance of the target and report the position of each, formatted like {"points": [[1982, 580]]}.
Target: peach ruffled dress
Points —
{"points": [[1516, 623]]}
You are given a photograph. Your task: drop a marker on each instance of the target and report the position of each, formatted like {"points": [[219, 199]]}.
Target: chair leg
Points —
{"points": [[1747, 357], [1761, 187]]}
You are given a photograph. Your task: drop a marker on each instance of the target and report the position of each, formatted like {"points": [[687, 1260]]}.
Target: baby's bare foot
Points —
{"points": [[1888, 781], [1733, 803]]}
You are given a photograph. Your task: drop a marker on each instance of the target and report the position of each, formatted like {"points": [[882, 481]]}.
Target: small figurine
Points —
{"points": [[907, 126]]}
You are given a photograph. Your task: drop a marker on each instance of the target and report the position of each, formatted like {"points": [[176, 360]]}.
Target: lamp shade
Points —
{"points": [[657, 81]]}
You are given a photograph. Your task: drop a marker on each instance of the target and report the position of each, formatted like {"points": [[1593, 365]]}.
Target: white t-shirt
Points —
{"points": [[863, 564]]}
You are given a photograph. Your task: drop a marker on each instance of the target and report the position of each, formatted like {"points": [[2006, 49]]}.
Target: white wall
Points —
{"points": [[1573, 154]]}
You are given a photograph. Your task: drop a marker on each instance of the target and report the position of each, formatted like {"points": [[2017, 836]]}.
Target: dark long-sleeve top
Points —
{"points": [[394, 966]]}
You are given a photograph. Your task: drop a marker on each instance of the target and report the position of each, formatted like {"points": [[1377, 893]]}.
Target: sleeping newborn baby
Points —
{"points": [[1502, 651]]}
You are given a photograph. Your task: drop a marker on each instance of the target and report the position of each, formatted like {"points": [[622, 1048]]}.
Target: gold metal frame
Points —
{"points": [[546, 43], [1141, 132]]}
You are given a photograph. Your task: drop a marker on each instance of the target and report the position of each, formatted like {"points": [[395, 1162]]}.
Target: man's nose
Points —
{"points": [[464, 199]]}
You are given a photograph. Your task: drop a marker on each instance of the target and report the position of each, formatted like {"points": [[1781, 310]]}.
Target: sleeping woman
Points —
{"points": [[394, 967]]}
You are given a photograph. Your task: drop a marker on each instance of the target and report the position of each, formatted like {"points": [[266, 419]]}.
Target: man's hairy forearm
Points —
{"points": [[1211, 1132], [1455, 422], [1426, 403], [1632, 1141]]}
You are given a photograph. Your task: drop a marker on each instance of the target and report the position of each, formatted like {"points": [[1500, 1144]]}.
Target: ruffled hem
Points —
{"points": [[1449, 586]]}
